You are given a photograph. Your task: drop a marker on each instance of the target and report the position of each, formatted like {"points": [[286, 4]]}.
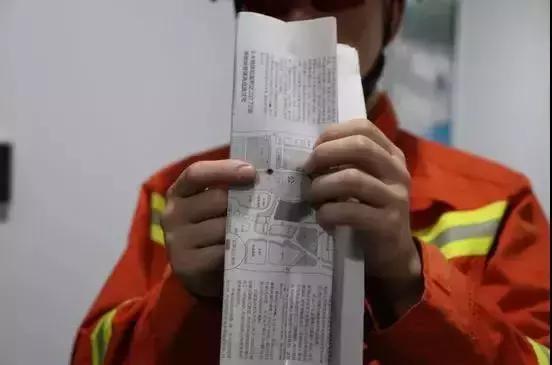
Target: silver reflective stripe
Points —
{"points": [[487, 229], [155, 217], [102, 346]]}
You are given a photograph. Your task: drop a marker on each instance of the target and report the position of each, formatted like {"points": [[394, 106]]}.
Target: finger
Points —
{"points": [[200, 175], [192, 236], [361, 127], [208, 204], [210, 258], [356, 215], [191, 263], [350, 183], [210, 284], [357, 150]]}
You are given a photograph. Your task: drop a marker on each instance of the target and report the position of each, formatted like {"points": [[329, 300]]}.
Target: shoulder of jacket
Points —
{"points": [[445, 164]]}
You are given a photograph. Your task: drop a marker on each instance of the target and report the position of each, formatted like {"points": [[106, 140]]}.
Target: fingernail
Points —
{"points": [[246, 169]]}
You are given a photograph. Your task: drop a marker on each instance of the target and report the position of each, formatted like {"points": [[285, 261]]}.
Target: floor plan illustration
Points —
{"points": [[271, 227]]}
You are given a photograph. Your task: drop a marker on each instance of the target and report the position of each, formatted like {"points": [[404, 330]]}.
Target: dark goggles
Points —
{"points": [[280, 8]]}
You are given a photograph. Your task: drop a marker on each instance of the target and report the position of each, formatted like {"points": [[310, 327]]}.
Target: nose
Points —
{"points": [[302, 10]]}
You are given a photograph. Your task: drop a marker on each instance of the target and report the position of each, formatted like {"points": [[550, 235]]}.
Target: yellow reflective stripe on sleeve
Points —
{"points": [[101, 336], [157, 234], [465, 233], [478, 246], [158, 204], [542, 353], [491, 212]]}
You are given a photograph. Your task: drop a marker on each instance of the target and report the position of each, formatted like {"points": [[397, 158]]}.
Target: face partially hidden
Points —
{"points": [[361, 25]]}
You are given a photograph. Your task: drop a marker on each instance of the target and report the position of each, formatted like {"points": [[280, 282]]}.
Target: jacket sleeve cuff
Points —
{"points": [[165, 308], [170, 304], [442, 314]]}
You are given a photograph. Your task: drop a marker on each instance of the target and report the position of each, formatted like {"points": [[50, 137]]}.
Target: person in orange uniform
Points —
{"points": [[457, 247]]}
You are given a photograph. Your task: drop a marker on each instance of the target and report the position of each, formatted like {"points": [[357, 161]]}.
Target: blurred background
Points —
{"points": [[96, 95], [419, 74]]}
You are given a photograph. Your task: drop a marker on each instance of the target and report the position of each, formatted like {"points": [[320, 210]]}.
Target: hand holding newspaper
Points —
{"points": [[293, 293]]}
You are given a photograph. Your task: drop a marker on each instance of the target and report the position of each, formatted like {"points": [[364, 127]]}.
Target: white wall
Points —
{"points": [[104, 92], [503, 99], [7, 323]]}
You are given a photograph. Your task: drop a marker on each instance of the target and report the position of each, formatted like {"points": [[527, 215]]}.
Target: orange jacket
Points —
{"points": [[485, 263]]}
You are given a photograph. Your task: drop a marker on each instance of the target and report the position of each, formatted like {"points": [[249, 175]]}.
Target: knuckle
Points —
{"points": [[166, 219], [405, 178], [400, 153], [400, 172], [361, 142], [352, 178], [393, 218], [316, 154], [328, 134], [167, 215], [402, 197], [407, 183], [368, 126], [179, 238], [172, 190], [192, 172], [169, 238], [321, 215], [325, 215]]}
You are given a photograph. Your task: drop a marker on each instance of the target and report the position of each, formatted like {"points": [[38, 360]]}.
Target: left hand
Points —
{"points": [[362, 181]]}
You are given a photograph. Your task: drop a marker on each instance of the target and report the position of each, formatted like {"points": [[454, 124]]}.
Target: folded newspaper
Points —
{"points": [[293, 293]]}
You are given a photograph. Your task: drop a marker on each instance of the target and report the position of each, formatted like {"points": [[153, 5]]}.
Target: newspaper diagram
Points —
{"points": [[279, 264], [271, 225]]}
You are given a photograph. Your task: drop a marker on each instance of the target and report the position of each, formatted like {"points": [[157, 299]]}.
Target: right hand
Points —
{"points": [[194, 222]]}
